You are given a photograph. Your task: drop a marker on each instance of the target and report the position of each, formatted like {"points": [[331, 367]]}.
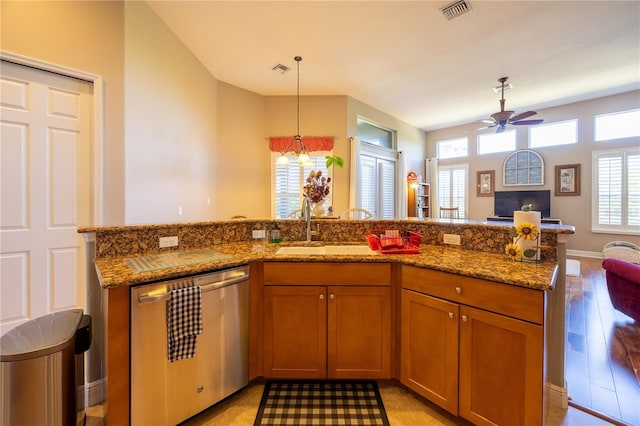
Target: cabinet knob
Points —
{"points": [[332, 296], [464, 318], [458, 290], [199, 389], [322, 297], [450, 314]]}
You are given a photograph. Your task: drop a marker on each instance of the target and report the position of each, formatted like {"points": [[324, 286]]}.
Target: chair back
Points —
{"points": [[356, 213], [295, 214], [449, 212]]}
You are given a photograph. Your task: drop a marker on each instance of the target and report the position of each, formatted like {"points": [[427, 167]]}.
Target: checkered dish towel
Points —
{"points": [[184, 321]]}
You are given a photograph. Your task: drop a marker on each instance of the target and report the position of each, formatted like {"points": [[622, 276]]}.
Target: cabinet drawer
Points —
{"points": [[326, 273], [517, 302]]}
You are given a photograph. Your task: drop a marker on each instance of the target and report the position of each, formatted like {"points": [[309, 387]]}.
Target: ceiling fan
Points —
{"points": [[502, 118]]}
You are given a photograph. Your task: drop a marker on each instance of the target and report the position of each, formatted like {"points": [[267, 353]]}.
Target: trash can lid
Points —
{"points": [[40, 336]]}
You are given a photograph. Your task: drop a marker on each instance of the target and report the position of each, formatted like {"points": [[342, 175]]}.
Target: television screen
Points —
{"points": [[506, 202]]}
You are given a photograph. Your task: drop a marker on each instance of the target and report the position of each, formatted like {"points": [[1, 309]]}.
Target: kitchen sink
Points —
{"points": [[351, 250]]}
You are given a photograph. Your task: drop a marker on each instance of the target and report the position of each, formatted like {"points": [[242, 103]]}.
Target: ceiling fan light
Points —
{"points": [[502, 115]]}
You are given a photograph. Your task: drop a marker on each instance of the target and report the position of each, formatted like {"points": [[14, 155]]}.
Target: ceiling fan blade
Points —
{"points": [[481, 128], [526, 122], [522, 115]]}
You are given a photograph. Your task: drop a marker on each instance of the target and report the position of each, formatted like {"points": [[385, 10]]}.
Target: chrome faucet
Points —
{"points": [[306, 216]]}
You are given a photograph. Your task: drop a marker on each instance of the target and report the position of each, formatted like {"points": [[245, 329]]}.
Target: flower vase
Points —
{"points": [[318, 208]]}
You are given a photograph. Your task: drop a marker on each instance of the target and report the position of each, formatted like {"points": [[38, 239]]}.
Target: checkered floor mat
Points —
{"points": [[312, 402]]}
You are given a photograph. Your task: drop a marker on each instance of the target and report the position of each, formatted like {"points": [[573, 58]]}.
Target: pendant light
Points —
{"points": [[296, 147]]}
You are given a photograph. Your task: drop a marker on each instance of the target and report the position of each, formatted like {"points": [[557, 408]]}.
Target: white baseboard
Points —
{"points": [[558, 396], [582, 253], [95, 392]]}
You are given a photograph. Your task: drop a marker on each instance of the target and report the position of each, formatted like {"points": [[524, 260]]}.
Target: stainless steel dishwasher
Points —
{"points": [[166, 393]]}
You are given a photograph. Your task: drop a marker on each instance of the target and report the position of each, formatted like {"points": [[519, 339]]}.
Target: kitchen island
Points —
{"points": [[486, 265]]}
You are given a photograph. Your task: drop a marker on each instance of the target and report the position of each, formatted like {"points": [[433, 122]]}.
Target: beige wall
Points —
{"points": [[88, 37], [573, 210], [170, 125], [242, 166]]}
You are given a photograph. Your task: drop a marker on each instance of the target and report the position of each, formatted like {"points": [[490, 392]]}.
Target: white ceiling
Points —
{"points": [[406, 59]]}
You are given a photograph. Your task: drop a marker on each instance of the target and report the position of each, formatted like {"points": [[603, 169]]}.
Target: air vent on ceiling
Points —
{"points": [[281, 68], [455, 9]]}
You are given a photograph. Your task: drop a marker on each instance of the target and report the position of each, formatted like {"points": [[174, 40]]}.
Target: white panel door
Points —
{"points": [[45, 124]]}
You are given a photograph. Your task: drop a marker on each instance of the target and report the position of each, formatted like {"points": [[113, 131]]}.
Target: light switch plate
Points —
{"points": [[168, 241], [258, 233], [451, 239]]}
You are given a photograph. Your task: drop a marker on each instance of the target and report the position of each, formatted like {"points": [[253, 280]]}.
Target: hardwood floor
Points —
{"points": [[599, 374]]}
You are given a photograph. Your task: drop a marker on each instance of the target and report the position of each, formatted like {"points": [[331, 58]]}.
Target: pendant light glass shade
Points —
{"points": [[282, 160]]}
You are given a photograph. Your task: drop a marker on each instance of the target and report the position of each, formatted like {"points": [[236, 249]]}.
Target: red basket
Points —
{"points": [[394, 241]]}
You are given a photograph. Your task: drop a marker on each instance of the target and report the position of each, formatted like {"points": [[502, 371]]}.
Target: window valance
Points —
{"points": [[311, 143]]}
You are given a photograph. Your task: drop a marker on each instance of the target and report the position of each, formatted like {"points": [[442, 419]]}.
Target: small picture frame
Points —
{"points": [[568, 180], [485, 183]]}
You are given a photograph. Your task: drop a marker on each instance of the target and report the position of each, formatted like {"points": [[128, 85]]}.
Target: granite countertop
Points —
{"points": [[116, 272]]}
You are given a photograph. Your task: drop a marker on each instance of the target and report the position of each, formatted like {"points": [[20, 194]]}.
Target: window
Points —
{"points": [[491, 143], [452, 187], [618, 125], [377, 181], [524, 167], [453, 148], [616, 183], [552, 134], [375, 135], [289, 181]]}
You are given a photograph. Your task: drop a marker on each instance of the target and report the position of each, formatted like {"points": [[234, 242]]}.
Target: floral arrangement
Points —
{"points": [[525, 231], [316, 187]]}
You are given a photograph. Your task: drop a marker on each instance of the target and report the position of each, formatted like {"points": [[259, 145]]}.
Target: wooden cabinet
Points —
{"points": [[473, 347], [327, 331], [359, 332], [419, 201], [423, 200], [429, 348], [295, 332], [501, 369]]}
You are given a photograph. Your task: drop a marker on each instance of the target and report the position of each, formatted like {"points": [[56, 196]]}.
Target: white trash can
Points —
{"points": [[40, 362]]}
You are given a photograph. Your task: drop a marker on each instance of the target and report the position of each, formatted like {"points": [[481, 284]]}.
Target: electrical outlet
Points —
{"points": [[168, 241], [451, 239], [258, 234]]}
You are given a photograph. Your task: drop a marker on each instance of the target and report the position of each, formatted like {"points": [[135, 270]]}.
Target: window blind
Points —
{"points": [[289, 181], [378, 185], [452, 188], [617, 184]]}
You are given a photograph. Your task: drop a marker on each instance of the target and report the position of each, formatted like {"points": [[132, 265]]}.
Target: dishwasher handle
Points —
{"points": [[149, 298]]}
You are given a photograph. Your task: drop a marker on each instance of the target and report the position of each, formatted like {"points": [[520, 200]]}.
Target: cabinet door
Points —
{"points": [[501, 371], [295, 332], [429, 348], [359, 332]]}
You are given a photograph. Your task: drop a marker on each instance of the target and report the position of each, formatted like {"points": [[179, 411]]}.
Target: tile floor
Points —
{"points": [[403, 408]]}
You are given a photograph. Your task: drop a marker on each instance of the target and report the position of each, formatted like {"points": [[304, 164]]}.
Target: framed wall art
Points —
{"points": [[568, 180], [485, 183]]}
